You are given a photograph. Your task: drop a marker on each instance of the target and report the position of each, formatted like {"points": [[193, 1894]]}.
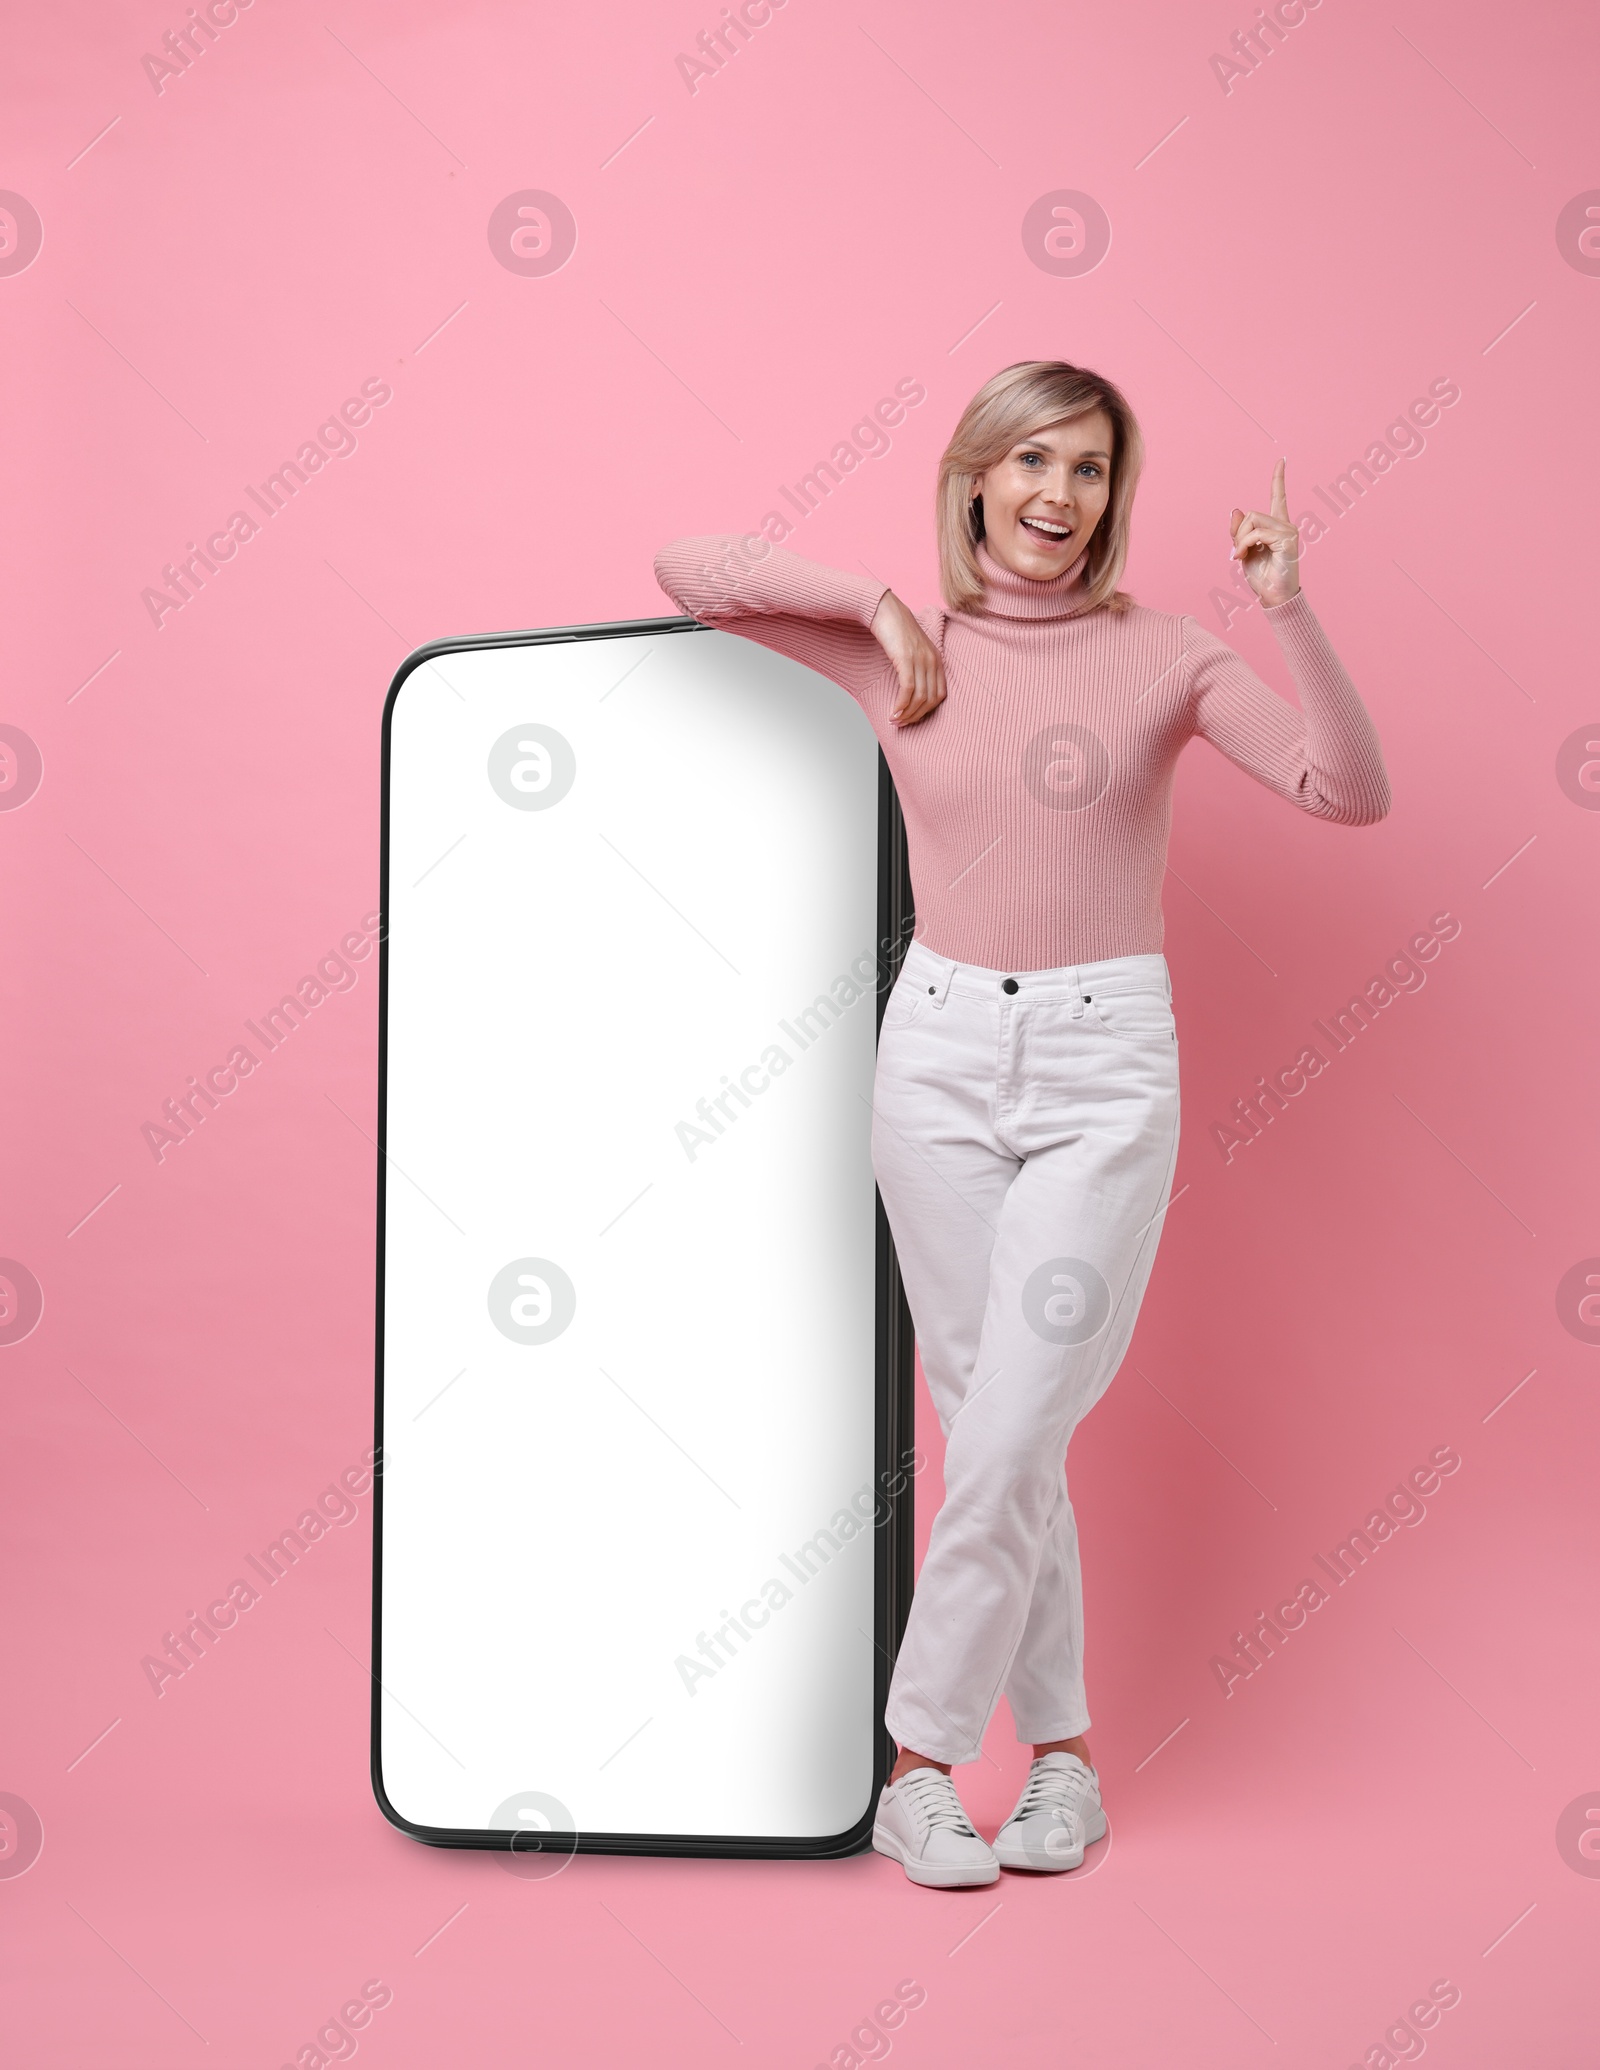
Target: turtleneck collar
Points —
{"points": [[1008, 595]]}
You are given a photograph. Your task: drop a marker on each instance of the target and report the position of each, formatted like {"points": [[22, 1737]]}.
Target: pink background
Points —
{"points": [[1292, 262]]}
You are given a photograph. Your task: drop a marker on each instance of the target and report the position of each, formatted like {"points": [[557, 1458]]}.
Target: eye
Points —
{"points": [[1092, 465], [1026, 457]]}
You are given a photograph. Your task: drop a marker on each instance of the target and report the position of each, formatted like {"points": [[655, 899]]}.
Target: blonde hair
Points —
{"points": [[1019, 400]]}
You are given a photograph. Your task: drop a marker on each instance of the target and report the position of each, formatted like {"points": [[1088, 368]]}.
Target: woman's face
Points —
{"points": [[1042, 502]]}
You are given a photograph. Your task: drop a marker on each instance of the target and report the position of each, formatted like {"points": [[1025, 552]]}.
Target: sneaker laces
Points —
{"points": [[1053, 1789], [931, 1795]]}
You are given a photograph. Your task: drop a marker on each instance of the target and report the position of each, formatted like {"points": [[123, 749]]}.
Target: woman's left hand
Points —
{"points": [[1267, 546]]}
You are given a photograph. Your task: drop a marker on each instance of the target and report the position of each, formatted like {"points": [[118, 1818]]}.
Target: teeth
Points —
{"points": [[1044, 525]]}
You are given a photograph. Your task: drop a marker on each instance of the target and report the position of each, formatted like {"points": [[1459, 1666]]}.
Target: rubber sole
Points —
{"points": [[934, 1876], [1011, 1854]]}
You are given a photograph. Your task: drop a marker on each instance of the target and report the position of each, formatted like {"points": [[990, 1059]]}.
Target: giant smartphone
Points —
{"points": [[642, 1547]]}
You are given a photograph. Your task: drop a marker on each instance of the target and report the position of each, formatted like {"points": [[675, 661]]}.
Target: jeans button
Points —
{"points": [[1008, 984]]}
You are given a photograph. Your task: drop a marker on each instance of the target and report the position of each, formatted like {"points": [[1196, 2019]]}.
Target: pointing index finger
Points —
{"points": [[1280, 494]]}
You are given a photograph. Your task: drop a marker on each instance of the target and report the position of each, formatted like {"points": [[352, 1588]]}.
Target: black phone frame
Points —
{"points": [[895, 1429]]}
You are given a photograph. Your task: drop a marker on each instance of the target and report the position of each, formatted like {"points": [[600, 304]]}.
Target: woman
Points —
{"points": [[1025, 1121]]}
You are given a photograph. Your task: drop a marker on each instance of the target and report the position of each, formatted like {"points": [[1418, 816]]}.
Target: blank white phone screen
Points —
{"points": [[628, 1281]]}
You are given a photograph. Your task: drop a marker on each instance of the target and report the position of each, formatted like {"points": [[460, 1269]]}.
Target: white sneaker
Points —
{"points": [[1057, 1816], [920, 1823]]}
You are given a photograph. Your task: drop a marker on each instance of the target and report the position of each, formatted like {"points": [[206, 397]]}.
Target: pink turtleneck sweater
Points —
{"points": [[1038, 795]]}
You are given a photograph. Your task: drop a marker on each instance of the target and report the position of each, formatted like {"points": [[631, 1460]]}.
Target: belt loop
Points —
{"points": [[1076, 976], [928, 972]]}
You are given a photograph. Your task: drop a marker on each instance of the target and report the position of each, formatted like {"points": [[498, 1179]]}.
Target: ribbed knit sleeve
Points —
{"points": [[1325, 758], [815, 614]]}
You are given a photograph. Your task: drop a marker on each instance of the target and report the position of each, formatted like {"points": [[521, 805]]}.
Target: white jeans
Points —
{"points": [[1025, 1129]]}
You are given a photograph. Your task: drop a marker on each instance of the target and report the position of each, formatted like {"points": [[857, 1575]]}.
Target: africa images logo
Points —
{"points": [[21, 233]]}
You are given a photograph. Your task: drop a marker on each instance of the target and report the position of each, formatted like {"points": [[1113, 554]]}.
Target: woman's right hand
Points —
{"points": [[916, 661]]}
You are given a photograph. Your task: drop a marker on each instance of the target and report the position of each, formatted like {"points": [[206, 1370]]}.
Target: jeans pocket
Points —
{"points": [[906, 1002], [1137, 1017]]}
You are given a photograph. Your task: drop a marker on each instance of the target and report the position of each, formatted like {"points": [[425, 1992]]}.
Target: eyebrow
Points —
{"points": [[1093, 453]]}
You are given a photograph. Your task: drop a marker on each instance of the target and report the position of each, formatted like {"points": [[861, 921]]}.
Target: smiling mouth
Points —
{"points": [[1046, 533]]}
